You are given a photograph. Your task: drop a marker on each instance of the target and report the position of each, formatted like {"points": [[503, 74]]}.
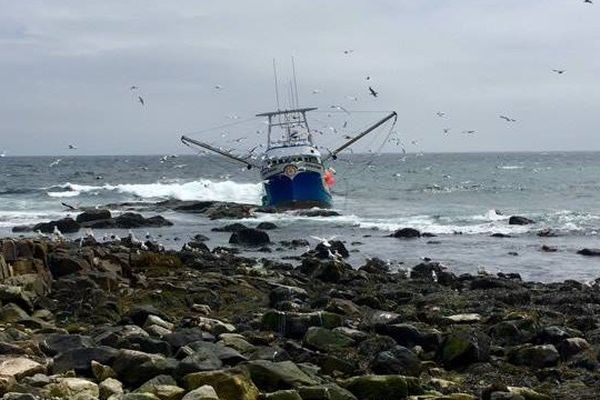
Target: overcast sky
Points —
{"points": [[66, 68]]}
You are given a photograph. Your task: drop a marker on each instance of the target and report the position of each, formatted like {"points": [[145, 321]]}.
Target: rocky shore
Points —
{"points": [[129, 320]]}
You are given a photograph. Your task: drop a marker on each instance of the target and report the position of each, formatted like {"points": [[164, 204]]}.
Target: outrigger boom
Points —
{"points": [[187, 141]]}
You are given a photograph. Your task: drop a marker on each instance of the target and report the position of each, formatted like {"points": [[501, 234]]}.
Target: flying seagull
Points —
{"points": [[141, 100], [559, 71], [133, 88], [440, 114], [72, 147], [588, 1], [348, 51], [507, 119], [372, 92], [340, 108], [316, 91]]}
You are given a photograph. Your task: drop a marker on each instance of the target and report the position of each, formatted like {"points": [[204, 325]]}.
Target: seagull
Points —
{"points": [[368, 78], [471, 132], [588, 1], [326, 242], [507, 119], [353, 98], [348, 51], [55, 163], [372, 92], [57, 234], [559, 71], [218, 87], [440, 114], [70, 207], [72, 147], [316, 91], [446, 131], [347, 137], [133, 88], [141, 100], [340, 108], [345, 124]]}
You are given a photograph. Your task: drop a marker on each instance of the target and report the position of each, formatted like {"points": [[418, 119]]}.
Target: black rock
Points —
{"points": [[65, 225], [93, 215], [518, 220], [200, 238], [589, 252], [295, 243], [60, 343], [549, 249], [131, 220], [336, 247], [198, 246], [230, 228], [184, 336], [266, 226], [406, 233], [249, 237], [80, 359], [317, 212], [396, 361], [464, 347], [500, 235]]}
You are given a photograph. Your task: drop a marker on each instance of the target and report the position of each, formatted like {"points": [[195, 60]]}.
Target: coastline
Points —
{"points": [[158, 321]]}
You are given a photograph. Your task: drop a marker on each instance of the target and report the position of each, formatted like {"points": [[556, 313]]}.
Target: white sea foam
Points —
{"points": [[202, 189], [510, 167]]}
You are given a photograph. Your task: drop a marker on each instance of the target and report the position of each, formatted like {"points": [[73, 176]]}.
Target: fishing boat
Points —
{"points": [[294, 172]]}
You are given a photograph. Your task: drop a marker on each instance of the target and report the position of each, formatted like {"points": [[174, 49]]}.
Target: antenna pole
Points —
{"points": [[295, 81], [276, 84]]}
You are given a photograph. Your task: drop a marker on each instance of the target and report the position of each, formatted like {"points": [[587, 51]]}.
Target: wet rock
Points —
{"points": [[130, 220], [325, 270], [200, 238], [101, 372], [295, 243], [271, 376], [406, 233], [325, 340], [266, 226], [317, 212], [589, 252], [377, 387], [184, 336], [18, 296], [464, 347], [283, 395], [93, 215], [65, 225], [203, 359], [549, 249], [375, 266], [397, 361], [229, 384], [519, 220], [231, 228], [433, 272], [249, 237], [541, 356], [333, 247], [500, 235]]}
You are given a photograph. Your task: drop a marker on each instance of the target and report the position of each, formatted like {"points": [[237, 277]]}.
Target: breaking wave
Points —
{"points": [[202, 189]]}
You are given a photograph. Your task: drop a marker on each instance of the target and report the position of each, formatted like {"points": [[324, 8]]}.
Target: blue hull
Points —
{"points": [[305, 190]]}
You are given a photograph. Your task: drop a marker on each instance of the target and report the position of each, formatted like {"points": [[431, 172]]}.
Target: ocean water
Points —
{"points": [[461, 198]]}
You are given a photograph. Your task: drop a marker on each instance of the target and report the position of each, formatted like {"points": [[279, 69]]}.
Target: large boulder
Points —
{"points": [[398, 360], [62, 264], [271, 376], [74, 388], [295, 325], [131, 220], [406, 233], [65, 225], [519, 220], [249, 237], [134, 367], [325, 340], [93, 215], [80, 359], [229, 384], [329, 391], [205, 392], [378, 387], [59, 343], [541, 356], [589, 252], [19, 367], [464, 347]]}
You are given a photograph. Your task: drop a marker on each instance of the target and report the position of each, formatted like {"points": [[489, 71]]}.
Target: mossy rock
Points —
{"points": [[229, 384], [378, 387], [325, 340]]}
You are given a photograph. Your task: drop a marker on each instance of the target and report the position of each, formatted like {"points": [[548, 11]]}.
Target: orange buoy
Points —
{"points": [[328, 178]]}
